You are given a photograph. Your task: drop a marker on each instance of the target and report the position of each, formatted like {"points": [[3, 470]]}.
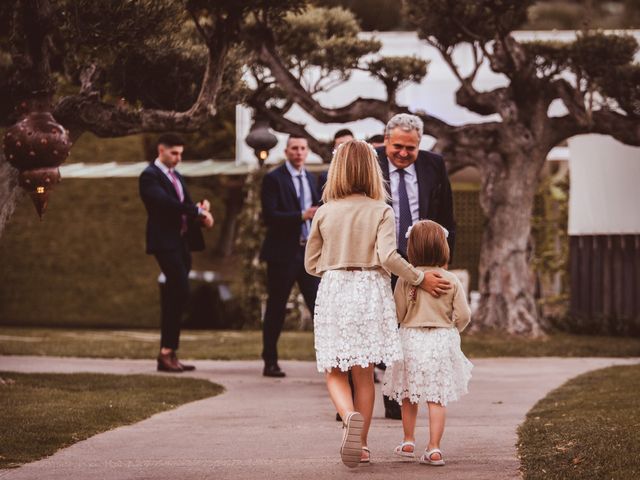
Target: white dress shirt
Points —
{"points": [[307, 200], [411, 182], [165, 170]]}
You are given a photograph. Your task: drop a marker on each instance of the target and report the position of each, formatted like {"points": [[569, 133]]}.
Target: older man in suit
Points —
{"points": [[173, 231], [289, 202], [419, 189], [417, 179]]}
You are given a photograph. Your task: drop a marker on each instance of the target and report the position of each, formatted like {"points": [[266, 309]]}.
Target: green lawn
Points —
{"points": [[245, 345], [588, 429], [554, 345], [41, 413], [219, 345]]}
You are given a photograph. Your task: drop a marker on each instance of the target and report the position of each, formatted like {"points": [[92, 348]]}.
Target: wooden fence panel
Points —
{"points": [[605, 284]]}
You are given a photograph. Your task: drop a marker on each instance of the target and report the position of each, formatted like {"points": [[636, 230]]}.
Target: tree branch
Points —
{"points": [[469, 145], [482, 103], [446, 56], [510, 58], [606, 122], [278, 122], [359, 108], [88, 78], [199, 27], [433, 126], [30, 50], [87, 112], [574, 101]]}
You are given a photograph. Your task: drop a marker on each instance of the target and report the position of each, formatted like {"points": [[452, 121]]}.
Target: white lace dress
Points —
{"points": [[355, 320], [434, 368]]}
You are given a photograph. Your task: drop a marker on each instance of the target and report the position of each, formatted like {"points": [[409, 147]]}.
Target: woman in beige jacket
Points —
{"points": [[352, 246], [434, 370]]}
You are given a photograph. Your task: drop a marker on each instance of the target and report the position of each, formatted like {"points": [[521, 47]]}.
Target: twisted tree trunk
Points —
{"points": [[506, 281], [8, 191]]}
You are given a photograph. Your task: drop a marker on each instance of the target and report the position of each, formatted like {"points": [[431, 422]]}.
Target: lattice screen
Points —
{"points": [[469, 224]]}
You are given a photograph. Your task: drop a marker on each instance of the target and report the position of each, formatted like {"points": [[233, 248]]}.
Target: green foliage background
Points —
{"points": [[84, 263]]}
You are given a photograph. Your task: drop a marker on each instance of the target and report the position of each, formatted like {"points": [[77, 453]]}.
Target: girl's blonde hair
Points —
{"points": [[427, 245], [354, 169]]}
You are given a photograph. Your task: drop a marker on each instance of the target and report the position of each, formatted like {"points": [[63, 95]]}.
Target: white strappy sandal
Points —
{"points": [[399, 450], [426, 458], [368, 452]]}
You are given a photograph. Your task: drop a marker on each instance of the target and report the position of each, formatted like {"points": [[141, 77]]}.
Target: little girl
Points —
{"points": [[352, 246], [434, 369]]}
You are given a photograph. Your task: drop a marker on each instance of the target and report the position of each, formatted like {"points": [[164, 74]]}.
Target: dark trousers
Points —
{"points": [[175, 264], [280, 279]]}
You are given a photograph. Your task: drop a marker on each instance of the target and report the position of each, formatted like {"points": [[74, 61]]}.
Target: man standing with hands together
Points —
{"points": [[289, 201], [173, 231]]}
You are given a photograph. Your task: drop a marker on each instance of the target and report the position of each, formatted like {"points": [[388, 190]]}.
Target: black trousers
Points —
{"points": [[175, 264], [280, 279]]}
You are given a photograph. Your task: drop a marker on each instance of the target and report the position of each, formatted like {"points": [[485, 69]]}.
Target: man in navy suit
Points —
{"points": [[419, 189], [289, 202], [173, 231], [424, 175]]}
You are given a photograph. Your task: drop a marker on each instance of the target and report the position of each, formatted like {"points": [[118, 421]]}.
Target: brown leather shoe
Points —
{"points": [[186, 368], [169, 363]]}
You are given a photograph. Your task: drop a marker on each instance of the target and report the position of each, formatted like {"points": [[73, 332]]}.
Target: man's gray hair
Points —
{"points": [[406, 122]]}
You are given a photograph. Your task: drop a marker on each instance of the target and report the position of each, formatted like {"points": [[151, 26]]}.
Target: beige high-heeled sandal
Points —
{"points": [[368, 459], [351, 447]]}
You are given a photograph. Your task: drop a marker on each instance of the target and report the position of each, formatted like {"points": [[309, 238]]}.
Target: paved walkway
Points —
{"points": [[285, 429]]}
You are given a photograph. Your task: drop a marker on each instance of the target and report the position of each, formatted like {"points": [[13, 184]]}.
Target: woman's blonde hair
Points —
{"points": [[427, 245], [354, 169]]}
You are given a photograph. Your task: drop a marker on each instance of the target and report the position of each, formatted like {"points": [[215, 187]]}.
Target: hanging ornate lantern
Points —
{"points": [[36, 145], [261, 139]]}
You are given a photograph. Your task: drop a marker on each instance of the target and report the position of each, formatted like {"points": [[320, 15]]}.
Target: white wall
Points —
{"points": [[605, 186]]}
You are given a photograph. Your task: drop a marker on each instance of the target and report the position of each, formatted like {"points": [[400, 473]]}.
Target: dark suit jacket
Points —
{"points": [[322, 181], [434, 190], [165, 211], [282, 215]]}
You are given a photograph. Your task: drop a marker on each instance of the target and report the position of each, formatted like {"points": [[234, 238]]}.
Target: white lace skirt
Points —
{"points": [[434, 367], [355, 320]]}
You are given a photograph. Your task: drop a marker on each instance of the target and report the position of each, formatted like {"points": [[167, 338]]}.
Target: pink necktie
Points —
{"points": [[174, 180]]}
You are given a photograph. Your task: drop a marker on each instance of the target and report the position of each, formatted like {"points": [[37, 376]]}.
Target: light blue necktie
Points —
{"points": [[305, 229]]}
